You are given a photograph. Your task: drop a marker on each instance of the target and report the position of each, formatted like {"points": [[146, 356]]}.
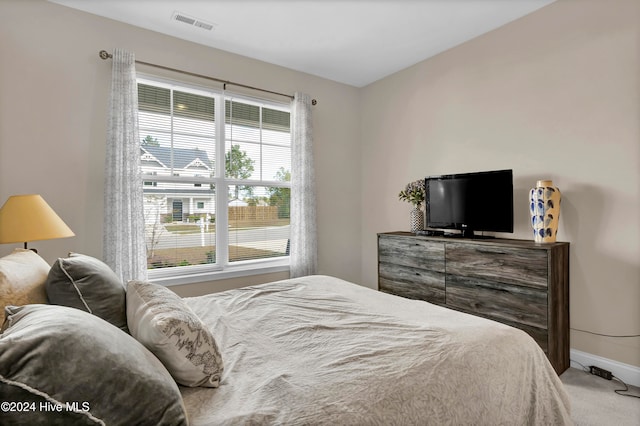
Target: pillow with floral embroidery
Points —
{"points": [[160, 320]]}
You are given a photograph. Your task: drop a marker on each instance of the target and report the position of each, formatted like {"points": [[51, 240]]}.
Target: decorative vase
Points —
{"points": [[416, 219], [545, 211]]}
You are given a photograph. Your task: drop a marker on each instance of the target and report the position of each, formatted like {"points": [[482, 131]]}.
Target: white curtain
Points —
{"points": [[124, 244], [304, 243]]}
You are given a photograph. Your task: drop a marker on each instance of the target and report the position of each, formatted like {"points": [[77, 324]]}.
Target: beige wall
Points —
{"points": [[553, 95], [53, 99]]}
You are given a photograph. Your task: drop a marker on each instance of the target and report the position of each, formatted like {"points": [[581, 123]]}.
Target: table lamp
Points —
{"points": [[25, 218]]}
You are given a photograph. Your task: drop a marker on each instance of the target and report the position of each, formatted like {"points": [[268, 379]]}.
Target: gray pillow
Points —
{"points": [[164, 323], [55, 356], [86, 283]]}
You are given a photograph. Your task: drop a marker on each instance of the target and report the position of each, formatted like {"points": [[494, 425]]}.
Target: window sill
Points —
{"points": [[242, 269]]}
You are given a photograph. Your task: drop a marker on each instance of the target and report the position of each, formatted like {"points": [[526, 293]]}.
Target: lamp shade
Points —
{"points": [[25, 218]]}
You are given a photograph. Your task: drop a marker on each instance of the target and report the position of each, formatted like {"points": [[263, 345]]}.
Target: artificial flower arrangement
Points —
{"points": [[413, 193]]}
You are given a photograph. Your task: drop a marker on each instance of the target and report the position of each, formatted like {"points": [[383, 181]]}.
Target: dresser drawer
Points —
{"points": [[412, 283], [413, 252], [498, 301], [509, 265]]}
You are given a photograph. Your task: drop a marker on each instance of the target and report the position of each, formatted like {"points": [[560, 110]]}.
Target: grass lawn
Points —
{"points": [[192, 228], [163, 258], [202, 255]]}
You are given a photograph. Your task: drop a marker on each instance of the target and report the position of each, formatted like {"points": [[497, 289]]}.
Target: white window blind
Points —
{"points": [[216, 196], [258, 170]]}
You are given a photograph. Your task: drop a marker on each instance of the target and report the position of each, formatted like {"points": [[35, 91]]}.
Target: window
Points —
{"points": [[216, 191]]}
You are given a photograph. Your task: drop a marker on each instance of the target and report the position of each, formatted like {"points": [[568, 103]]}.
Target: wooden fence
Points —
{"points": [[253, 213]]}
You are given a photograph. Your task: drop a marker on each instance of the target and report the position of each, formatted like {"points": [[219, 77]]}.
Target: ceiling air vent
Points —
{"points": [[181, 17], [204, 25]]}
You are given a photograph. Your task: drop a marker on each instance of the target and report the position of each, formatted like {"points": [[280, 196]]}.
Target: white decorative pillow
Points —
{"points": [[22, 279], [160, 320]]}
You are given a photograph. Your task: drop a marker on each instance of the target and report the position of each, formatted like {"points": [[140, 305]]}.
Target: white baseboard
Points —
{"points": [[629, 374]]}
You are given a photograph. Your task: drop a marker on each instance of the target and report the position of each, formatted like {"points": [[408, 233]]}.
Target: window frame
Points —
{"points": [[222, 269]]}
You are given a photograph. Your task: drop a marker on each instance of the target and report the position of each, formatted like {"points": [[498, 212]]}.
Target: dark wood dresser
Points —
{"points": [[517, 282]]}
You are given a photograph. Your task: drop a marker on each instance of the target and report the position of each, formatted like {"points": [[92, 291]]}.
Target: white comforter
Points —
{"points": [[319, 350]]}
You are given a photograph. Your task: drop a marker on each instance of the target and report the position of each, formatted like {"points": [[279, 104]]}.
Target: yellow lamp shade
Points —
{"points": [[25, 218]]}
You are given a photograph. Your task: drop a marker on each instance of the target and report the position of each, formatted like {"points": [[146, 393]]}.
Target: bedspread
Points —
{"points": [[319, 350]]}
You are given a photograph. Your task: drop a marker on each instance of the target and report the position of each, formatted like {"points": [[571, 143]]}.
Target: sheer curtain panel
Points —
{"points": [[124, 243], [304, 243]]}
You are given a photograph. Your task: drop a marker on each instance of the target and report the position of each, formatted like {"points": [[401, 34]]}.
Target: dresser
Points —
{"points": [[517, 282]]}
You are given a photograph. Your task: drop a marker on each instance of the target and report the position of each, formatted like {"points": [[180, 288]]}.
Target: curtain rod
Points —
{"points": [[106, 55]]}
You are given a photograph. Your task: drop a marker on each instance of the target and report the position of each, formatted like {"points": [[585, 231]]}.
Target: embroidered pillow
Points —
{"points": [[86, 283], [66, 366], [167, 326], [22, 277]]}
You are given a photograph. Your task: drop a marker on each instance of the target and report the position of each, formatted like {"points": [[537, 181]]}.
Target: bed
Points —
{"points": [[307, 351]]}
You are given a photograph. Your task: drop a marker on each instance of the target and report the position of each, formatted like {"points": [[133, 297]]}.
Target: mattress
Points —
{"points": [[320, 350]]}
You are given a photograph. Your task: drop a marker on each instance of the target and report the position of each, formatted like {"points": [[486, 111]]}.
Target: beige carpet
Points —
{"points": [[594, 402]]}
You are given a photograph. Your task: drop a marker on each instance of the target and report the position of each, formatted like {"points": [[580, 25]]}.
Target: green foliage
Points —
{"points": [[150, 141], [238, 165], [281, 197], [413, 193]]}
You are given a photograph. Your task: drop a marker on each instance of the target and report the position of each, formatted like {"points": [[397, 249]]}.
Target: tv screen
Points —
{"points": [[479, 201]]}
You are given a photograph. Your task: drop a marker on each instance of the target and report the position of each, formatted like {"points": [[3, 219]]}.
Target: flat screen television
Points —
{"points": [[469, 202]]}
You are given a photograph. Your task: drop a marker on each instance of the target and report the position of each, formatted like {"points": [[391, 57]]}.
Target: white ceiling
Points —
{"points": [[350, 41]]}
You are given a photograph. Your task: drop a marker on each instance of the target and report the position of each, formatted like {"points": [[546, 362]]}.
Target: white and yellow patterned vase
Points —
{"points": [[416, 219], [545, 211]]}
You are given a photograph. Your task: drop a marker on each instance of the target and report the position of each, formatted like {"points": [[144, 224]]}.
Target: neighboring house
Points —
{"points": [[170, 200]]}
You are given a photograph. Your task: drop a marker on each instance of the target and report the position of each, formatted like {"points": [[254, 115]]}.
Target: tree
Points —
{"points": [[152, 207], [150, 141], [281, 197], [239, 165]]}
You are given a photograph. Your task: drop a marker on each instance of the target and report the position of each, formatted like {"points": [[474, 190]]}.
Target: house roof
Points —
{"points": [[183, 158]]}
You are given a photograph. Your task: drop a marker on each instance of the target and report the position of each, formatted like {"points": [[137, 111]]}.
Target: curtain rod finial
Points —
{"points": [[105, 55]]}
